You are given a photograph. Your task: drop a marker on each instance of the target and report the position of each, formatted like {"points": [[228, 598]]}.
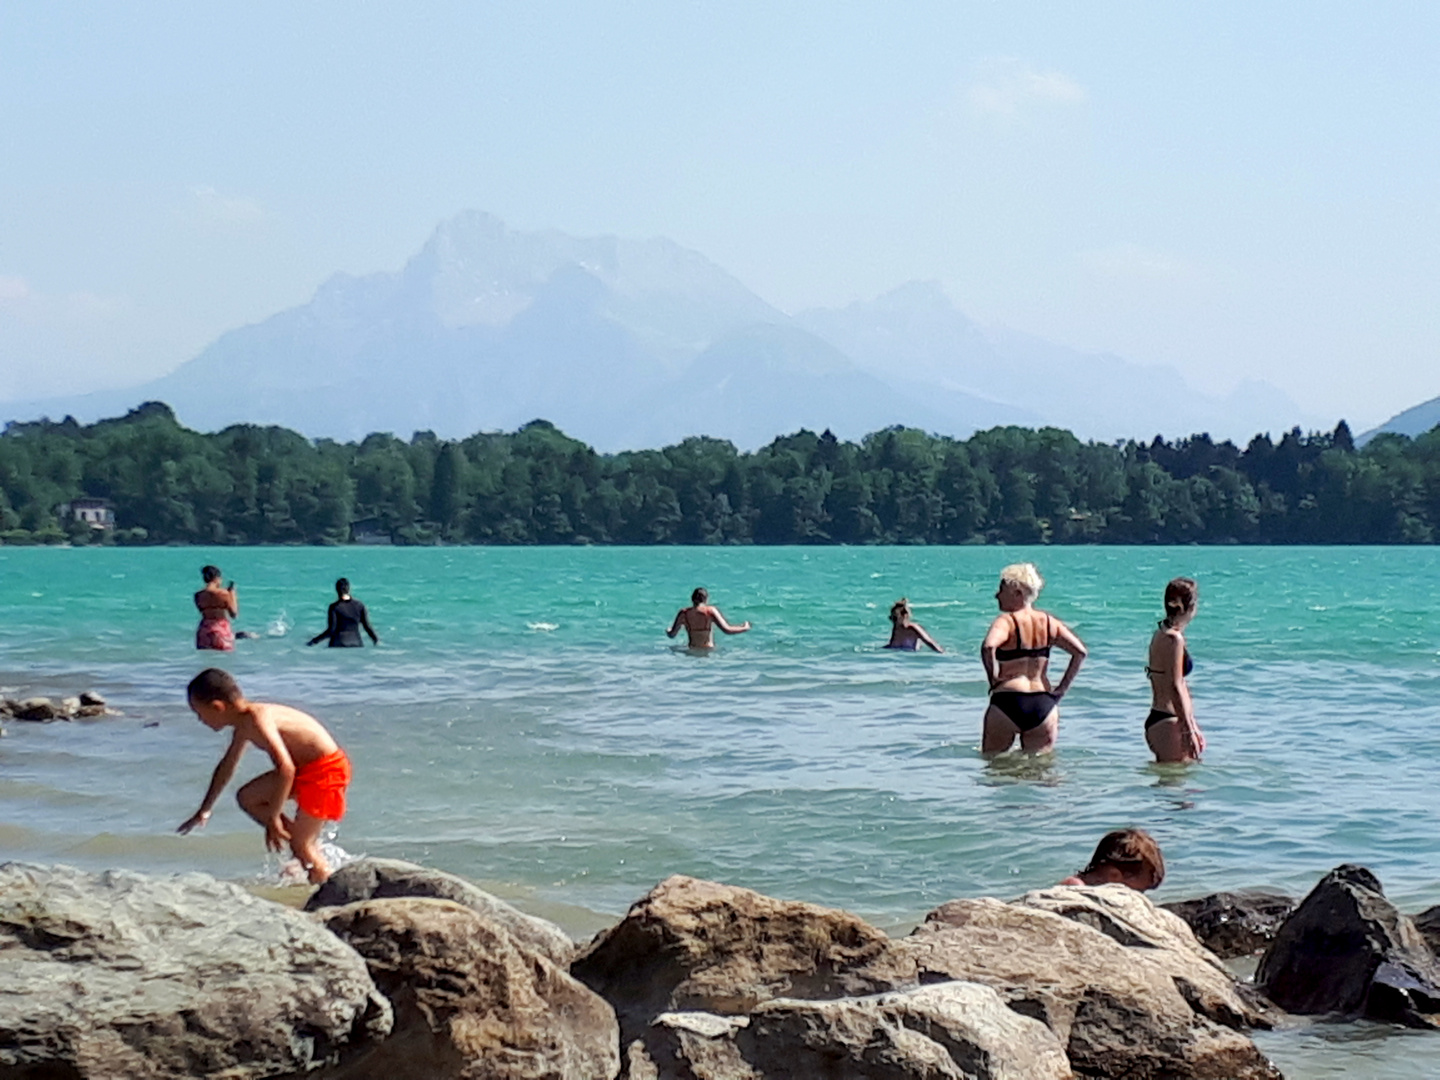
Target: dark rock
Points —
{"points": [[7, 708], [38, 709], [470, 1001], [1428, 923], [1235, 924], [89, 697], [120, 975], [379, 879], [698, 945], [1155, 1006], [1347, 951]]}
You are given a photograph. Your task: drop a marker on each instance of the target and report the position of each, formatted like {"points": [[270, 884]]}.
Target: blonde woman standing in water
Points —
{"points": [[1016, 655], [1170, 729]]}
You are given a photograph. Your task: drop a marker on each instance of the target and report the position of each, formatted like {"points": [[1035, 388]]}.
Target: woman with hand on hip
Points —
{"points": [[1016, 655]]}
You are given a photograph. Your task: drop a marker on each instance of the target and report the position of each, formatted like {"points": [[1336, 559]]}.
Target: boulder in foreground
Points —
{"points": [[1147, 1010], [379, 879], [470, 1001], [1235, 924], [1347, 951], [116, 975], [699, 945]]}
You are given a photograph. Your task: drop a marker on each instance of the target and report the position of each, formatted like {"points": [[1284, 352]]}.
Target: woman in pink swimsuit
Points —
{"points": [[217, 605]]}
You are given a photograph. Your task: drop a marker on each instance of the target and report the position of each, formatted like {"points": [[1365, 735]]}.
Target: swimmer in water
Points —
{"points": [[1130, 857], [344, 621], [1016, 656], [217, 607], [698, 620], [905, 634], [1170, 729]]}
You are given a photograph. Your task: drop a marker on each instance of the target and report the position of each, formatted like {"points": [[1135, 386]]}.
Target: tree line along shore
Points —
{"points": [[146, 479]]}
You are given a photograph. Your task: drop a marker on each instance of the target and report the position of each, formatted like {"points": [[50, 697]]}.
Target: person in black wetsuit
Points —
{"points": [[347, 615]]}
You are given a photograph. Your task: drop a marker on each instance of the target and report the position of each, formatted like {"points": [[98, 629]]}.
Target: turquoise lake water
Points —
{"points": [[527, 724]]}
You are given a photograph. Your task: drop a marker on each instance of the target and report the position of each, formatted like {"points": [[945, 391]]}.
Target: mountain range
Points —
{"points": [[639, 343]]}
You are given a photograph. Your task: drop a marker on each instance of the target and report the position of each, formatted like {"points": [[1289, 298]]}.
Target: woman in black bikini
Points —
{"points": [[1016, 655], [1170, 729]]}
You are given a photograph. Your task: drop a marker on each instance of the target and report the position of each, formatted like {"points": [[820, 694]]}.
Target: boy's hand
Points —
{"points": [[195, 821], [276, 835]]}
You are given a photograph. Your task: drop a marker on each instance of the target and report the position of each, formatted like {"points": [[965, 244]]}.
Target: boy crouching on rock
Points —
{"points": [[309, 767]]}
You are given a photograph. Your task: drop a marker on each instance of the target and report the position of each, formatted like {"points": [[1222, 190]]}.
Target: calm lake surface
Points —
{"points": [[526, 723]]}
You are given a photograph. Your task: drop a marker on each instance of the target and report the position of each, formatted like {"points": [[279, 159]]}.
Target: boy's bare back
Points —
{"points": [[304, 738]]}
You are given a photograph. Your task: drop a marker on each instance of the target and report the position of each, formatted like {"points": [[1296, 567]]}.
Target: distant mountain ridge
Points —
{"points": [[1416, 420], [634, 343]]}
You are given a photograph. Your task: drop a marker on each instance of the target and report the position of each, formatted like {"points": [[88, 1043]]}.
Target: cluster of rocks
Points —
{"points": [[400, 972], [43, 709]]}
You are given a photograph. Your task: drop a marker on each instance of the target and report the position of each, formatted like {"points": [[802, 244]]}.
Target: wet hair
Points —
{"points": [[1025, 577], [1129, 851], [699, 596], [342, 586], [212, 684], [1181, 596], [898, 609], [210, 573]]}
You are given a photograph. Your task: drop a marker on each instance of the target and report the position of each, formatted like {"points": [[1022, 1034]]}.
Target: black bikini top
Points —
{"points": [[1187, 667], [1020, 652]]}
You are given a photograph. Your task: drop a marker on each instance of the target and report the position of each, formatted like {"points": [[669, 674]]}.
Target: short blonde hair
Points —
{"points": [[1025, 577]]}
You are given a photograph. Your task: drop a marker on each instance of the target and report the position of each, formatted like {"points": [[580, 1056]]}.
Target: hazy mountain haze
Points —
{"points": [[636, 343]]}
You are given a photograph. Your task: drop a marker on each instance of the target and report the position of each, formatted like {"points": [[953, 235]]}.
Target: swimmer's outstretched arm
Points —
{"points": [[329, 627], [926, 638], [1066, 639], [365, 622], [675, 626], [723, 625]]}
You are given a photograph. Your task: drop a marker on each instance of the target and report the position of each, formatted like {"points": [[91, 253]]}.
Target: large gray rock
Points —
{"points": [[1428, 923], [123, 976], [1235, 924], [1145, 1010], [951, 1031], [379, 879], [470, 1001], [1348, 951], [38, 710], [699, 945]]}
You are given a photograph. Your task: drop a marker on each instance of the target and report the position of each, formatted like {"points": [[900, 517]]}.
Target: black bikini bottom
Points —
{"points": [[1025, 710], [1156, 716]]}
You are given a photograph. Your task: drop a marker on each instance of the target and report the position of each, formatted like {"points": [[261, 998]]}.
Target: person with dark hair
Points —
{"points": [[344, 621], [905, 634], [1129, 857], [217, 606], [310, 768], [1170, 729], [699, 618]]}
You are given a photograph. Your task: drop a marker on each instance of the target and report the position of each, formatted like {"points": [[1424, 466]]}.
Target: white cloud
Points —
{"points": [[1005, 87], [1132, 262], [207, 208]]}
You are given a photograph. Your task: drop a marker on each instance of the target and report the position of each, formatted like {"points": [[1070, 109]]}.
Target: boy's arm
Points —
{"points": [[223, 772], [267, 735]]}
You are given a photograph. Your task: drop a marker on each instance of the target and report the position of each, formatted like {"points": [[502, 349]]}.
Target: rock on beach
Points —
{"points": [[1235, 924], [1348, 952], [378, 879], [118, 975]]}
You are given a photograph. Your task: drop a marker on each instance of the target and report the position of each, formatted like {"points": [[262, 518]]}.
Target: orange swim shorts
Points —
{"points": [[319, 787]]}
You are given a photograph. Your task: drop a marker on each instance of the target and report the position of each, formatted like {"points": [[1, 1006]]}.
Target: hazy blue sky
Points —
{"points": [[1236, 189]]}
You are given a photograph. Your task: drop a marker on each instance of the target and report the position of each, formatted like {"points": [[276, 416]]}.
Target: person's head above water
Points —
{"points": [[342, 587], [210, 573], [699, 596], [1019, 582], [1181, 596], [900, 610], [1128, 856]]}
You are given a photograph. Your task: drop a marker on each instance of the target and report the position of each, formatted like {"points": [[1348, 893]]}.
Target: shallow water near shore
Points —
{"points": [[525, 723]]}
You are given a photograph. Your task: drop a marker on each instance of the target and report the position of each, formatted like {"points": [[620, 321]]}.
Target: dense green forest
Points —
{"points": [[266, 485]]}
